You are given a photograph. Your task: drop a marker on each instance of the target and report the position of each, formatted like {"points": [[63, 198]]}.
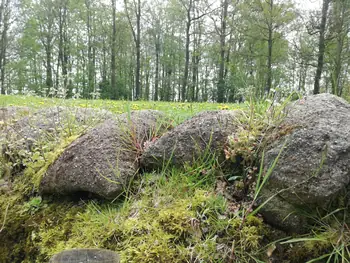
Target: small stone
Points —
{"points": [[86, 256]]}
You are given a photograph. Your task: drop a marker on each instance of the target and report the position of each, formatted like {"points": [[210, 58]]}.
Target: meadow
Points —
{"points": [[175, 110]]}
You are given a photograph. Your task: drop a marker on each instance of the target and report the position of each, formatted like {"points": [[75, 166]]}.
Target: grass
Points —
{"points": [[329, 239], [178, 112]]}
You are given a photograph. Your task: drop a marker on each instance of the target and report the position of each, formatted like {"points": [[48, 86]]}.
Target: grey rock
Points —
{"points": [[10, 112], [314, 166], [86, 256], [105, 159], [4, 186], [47, 124], [205, 132], [50, 122]]}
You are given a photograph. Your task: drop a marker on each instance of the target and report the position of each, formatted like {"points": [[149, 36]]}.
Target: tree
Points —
{"points": [[63, 47], [91, 49], [137, 40], [189, 7], [168, 50], [265, 28], [321, 46], [223, 48], [113, 49], [4, 27], [340, 27], [46, 19]]}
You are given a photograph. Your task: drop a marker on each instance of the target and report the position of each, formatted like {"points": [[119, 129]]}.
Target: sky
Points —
{"points": [[309, 4], [302, 4]]}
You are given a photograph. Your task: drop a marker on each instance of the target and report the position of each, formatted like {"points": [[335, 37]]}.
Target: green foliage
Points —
{"points": [[245, 146], [32, 206]]}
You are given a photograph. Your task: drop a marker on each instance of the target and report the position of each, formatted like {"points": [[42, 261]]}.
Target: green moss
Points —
{"points": [[39, 162], [24, 220], [329, 242], [159, 225], [23, 213]]}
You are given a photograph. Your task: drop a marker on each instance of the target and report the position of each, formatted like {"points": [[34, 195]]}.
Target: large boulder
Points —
{"points": [[105, 159], [18, 137], [313, 169], [205, 133], [10, 112], [84, 255], [50, 122]]}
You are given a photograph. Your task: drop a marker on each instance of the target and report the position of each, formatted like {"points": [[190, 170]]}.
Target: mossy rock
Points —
{"points": [[8, 113], [313, 163], [103, 161], [86, 255], [204, 134]]}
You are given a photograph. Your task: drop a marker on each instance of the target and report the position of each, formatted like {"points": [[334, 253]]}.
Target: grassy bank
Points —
{"points": [[175, 215]]}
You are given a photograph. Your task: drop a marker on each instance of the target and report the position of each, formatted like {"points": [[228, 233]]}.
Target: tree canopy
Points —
{"points": [[173, 50]]}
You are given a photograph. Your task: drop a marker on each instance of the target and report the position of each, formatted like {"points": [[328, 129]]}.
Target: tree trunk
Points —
{"points": [[91, 70], [65, 51], [4, 21], [167, 90], [146, 95], [156, 78], [321, 46], [339, 13], [269, 56], [187, 54], [137, 39], [221, 78], [196, 57], [205, 89], [138, 51], [113, 51], [49, 82]]}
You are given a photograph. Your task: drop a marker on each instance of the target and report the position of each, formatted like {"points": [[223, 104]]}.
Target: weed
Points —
{"points": [[329, 241]]}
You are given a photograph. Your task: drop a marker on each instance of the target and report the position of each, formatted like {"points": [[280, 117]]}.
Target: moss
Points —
{"points": [[330, 242], [159, 225], [24, 220], [23, 212], [40, 162]]}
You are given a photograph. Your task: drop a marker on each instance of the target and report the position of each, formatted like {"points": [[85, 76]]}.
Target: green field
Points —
{"points": [[175, 110]]}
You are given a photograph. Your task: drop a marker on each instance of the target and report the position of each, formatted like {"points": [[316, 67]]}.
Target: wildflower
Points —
{"points": [[223, 107]]}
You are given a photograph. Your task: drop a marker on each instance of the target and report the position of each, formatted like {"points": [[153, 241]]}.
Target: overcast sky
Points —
{"points": [[303, 4], [309, 4]]}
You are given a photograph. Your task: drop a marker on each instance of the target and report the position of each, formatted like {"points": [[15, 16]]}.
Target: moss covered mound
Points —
{"points": [[187, 214]]}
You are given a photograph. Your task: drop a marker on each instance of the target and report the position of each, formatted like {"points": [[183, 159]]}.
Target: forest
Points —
{"points": [[173, 50]]}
